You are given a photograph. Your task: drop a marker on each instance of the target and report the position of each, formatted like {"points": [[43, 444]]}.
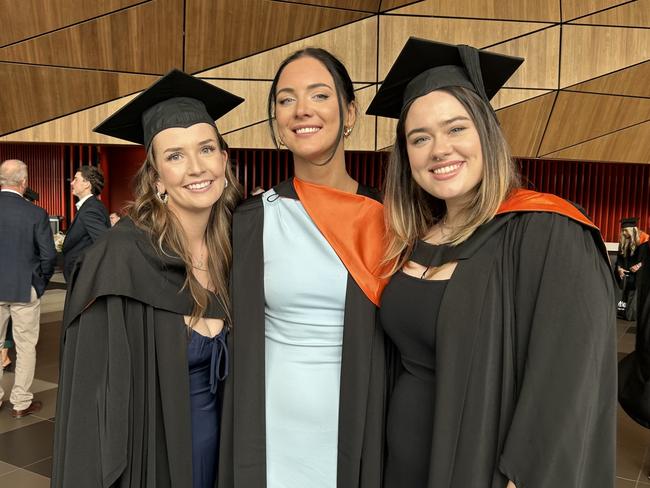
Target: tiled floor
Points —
{"points": [[26, 444]]}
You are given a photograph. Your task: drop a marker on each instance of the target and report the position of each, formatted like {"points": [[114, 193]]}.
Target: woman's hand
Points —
{"points": [[636, 267], [621, 272]]}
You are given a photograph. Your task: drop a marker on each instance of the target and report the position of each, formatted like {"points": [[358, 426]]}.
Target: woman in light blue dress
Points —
{"points": [[304, 406]]}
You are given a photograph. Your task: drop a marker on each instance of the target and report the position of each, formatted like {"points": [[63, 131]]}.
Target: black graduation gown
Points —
{"points": [[634, 369], [362, 392], [525, 358], [123, 408]]}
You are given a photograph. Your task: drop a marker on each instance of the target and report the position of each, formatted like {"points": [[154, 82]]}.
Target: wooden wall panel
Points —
{"points": [[531, 10], [220, 32], [510, 96], [578, 117], [523, 124], [75, 128], [577, 8], [395, 30], [35, 17], [108, 42], [588, 52], [387, 5], [363, 5], [627, 145], [361, 61], [32, 94], [633, 14], [363, 134], [385, 133], [253, 110], [633, 81], [256, 136], [542, 59]]}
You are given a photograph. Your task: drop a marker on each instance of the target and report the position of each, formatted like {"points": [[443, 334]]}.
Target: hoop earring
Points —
{"points": [[282, 144], [347, 131], [162, 197], [225, 183]]}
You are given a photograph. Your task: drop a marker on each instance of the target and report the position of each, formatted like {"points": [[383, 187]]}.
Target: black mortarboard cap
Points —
{"points": [[175, 100], [31, 195], [424, 66], [629, 222]]}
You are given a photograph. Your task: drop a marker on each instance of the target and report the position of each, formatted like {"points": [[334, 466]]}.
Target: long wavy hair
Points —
{"points": [[149, 213], [411, 212], [628, 241]]}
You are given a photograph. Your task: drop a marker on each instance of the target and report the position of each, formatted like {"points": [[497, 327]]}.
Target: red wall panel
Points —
{"points": [[607, 191]]}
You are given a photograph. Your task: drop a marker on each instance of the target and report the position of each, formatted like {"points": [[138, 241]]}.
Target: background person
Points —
{"points": [[27, 258], [91, 220], [628, 263]]}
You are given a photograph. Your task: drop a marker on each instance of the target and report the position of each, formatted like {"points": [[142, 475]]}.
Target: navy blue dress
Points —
{"points": [[208, 365]]}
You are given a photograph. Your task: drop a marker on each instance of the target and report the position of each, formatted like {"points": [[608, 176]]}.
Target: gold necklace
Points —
{"points": [[198, 264]]}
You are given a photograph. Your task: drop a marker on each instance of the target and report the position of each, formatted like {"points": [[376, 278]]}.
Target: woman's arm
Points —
{"points": [[511, 485]]}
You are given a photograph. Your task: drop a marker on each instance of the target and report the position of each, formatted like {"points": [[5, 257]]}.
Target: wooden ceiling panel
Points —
{"points": [[108, 42], [588, 51], [633, 14], [363, 5], [541, 51], [74, 128], [632, 81], [395, 30], [577, 8], [36, 17], [221, 32], [34, 94], [510, 96], [625, 146], [531, 10], [578, 117], [523, 124], [361, 61]]}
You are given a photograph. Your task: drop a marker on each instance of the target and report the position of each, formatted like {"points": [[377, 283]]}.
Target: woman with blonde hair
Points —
{"points": [[628, 263], [500, 298], [147, 310]]}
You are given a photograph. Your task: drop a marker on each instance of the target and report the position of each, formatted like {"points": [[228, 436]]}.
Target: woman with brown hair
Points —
{"points": [[147, 310], [500, 301], [304, 405]]}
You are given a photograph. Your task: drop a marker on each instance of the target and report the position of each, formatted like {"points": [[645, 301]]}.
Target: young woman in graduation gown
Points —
{"points": [[501, 301], [143, 346], [305, 398], [634, 369]]}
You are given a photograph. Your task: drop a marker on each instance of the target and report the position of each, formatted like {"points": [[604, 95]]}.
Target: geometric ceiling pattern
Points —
{"points": [[582, 93]]}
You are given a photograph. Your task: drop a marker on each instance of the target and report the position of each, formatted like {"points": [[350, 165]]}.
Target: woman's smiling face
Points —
{"points": [[191, 167], [444, 148], [307, 110]]}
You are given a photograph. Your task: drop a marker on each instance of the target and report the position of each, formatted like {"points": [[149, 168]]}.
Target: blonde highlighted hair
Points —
{"points": [[628, 241], [149, 213], [411, 212]]}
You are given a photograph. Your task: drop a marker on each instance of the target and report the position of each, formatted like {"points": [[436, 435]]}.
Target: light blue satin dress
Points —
{"points": [[305, 283]]}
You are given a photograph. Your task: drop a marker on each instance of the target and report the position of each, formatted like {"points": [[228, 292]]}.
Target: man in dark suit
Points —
{"points": [[91, 220], [27, 258]]}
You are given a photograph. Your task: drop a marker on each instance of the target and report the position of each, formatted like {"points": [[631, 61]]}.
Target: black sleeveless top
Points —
{"points": [[409, 312]]}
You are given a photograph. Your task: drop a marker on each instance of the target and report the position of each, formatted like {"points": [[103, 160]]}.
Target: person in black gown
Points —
{"points": [[628, 262], [145, 321], [501, 299]]}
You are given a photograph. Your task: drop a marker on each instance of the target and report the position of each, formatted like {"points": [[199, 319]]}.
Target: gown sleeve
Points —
{"points": [[93, 399], [562, 431]]}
